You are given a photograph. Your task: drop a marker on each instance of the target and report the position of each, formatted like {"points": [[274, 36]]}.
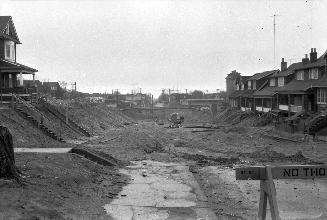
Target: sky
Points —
{"points": [[155, 44]]}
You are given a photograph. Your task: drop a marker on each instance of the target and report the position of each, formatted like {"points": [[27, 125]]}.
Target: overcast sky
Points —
{"points": [[155, 44]]}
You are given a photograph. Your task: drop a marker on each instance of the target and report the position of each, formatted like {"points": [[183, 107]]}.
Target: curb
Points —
{"points": [[93, 156]]}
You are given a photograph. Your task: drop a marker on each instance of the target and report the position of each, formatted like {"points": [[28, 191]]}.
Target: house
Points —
{"points": [[265, 97], [33, 83], [301, 87], [255, 82], [231, 83], [308, 83], [234, 98], [51, 88], [10, 69]]}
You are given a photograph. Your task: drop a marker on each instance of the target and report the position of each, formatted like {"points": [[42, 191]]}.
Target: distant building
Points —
{"points": [[51, 88], [231, 82]]}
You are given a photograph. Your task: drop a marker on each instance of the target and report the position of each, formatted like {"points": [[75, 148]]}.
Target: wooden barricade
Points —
{"points": [[267, 174]]}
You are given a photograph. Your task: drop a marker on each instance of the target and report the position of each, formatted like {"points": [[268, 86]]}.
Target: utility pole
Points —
{"points": [[275, 37], [117, 97], [168, 95], [74, 89]]}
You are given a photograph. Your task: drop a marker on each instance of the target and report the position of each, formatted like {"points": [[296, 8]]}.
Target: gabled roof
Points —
{"points": [[297, 86], [318, 63], [265, 92], [233, 74], [7, 65], [290, 70], [6, 21], [261, 75], [242, 79]]}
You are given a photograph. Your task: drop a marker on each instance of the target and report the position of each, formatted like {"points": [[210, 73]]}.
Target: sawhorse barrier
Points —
{"points": [[267, 174]]}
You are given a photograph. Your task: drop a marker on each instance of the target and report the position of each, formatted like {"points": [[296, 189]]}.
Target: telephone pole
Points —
{"points": [[275, 37], [117, 97]]}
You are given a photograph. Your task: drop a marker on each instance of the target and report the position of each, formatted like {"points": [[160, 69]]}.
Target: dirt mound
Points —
{"points": [[95, 117], [273, 156], [229, 116], [24, 133], [204, 160]]}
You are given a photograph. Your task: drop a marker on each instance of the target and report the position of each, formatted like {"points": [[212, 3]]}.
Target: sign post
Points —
{"points": [[267, 174]]}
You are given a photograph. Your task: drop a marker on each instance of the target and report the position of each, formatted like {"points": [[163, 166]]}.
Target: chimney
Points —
{"points": [[283, 65], [313, 55], [305, 60]]}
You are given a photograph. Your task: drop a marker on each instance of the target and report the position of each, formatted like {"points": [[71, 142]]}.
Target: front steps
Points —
{"points": [[39, 125]]}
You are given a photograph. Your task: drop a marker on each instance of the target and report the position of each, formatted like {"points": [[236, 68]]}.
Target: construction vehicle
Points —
{"points": [[176, 120]]}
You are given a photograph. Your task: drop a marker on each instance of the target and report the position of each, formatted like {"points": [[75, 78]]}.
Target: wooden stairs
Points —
{"points": [[71, 123], [29, 112], [317, 123]]}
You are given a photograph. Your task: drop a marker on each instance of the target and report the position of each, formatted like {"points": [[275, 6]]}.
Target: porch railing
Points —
{"points": [[283, 107], [296, 108], [18, 90]]}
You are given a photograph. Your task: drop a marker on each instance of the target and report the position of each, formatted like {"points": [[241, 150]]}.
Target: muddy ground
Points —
{"points": [[72, 187]]}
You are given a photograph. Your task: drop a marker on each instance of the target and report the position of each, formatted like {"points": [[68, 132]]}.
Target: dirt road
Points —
{"points": [[67, 186]]}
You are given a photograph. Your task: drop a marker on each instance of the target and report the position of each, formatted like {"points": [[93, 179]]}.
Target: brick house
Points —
{"points": [[301, 87], [256, 81], [309, 79], [235, 97], [11, 72]]}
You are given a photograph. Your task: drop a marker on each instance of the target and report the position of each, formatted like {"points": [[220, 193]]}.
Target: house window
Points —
{"points": [[281, 81], [242, 86], [322, 96], [272, 82], [254, 84], [249, 84], [313, 73], [300, 75], [9, 50], [53, 88]]}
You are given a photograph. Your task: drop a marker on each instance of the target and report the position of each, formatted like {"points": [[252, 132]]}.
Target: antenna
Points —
{"points": [[275, 37], [311, 23]]}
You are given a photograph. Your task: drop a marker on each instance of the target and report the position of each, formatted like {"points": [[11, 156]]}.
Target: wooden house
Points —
{"points": [[11, 72]]}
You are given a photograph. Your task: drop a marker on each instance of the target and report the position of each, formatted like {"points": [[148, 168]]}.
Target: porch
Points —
{"points": [[294, 103], [27, 93], [11, 82], [263, 104]]}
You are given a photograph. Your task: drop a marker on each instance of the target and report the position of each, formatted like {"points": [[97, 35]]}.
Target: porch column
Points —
{"points": [[254, 105], [277, 101], [262, 104], [246, 103], [21, 79], [303, 107], [271, 103], [33, 78], [289, 104]]}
